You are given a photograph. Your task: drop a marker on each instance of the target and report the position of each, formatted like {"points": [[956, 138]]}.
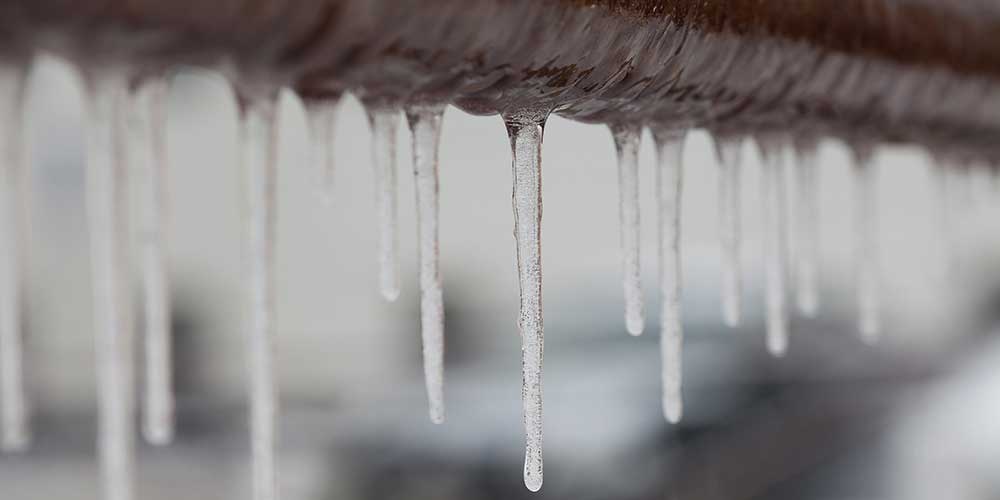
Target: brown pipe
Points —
{"points": [[917, 71]]}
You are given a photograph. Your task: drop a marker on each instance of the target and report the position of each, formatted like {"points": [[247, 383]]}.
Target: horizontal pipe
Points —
{"points": [[915, 71]]}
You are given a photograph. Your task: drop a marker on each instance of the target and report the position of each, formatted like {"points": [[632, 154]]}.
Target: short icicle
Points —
{"points": [[866, 246], [258, 157], [425, 126], [107, 214], [807, 229], [627, 140], [147, 154], [525, 129], [384, 121], [775, 244], [669, 186], [729, 153], [15, 434], [322, 117]]}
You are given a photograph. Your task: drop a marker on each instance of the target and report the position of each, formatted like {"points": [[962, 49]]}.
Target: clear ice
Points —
{"points": [[669, 184], [384, 121], [729, 152], [147, 156], [425, 126], [15, 433], [107, 216], [322, 117], [807, 229], [258, 157], [866, 246], [627, 140], [775, 244], [525, 131]]}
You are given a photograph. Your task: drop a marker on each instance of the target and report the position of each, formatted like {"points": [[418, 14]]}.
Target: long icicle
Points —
{"points": [[147, 153], [866, 234], [107, 203], [322, 117], [384, 121], [775, 246], [669, 186], [15, 434], [627, 139], [807, 230], [425, 126], [258, 157], [525, 130], [729, 153]]}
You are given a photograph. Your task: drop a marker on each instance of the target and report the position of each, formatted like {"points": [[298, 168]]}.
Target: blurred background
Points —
{"points": [[913, 417]]}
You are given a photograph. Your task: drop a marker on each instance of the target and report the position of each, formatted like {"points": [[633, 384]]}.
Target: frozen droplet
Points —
{"points": [[147, 156], [669, 184], [425, 126], [866, 251], [807, 229], [525, 131], [258, 138], [15, 434], [729, 152], [107, 216], [627, 139], [775, 246], [384, 121], [322, 117]]}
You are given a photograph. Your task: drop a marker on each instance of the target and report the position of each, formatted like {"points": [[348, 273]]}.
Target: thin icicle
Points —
{"points": [[258, 157], [669, 184], [425, 125], [147, 153], [866, 227], [384, 121], [107, 203], [948, 234], [627, 139], [729, 152], [775, 246], [322, 117], [807, 230], [15, 434], [525, 130]]}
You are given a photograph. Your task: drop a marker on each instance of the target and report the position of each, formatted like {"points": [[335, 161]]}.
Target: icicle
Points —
{"points": [[775, 246], [866, 226], [425, 125], [669, 183], [729, 154], [525, 131], [14, 432], [107, 202], [147, 153], [807, 230], [384, 121], [627, 139], [322, 117], [258, 156], [948, 237]]}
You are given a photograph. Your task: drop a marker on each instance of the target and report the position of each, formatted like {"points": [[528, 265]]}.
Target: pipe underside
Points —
{"points": [[866, 71]]}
